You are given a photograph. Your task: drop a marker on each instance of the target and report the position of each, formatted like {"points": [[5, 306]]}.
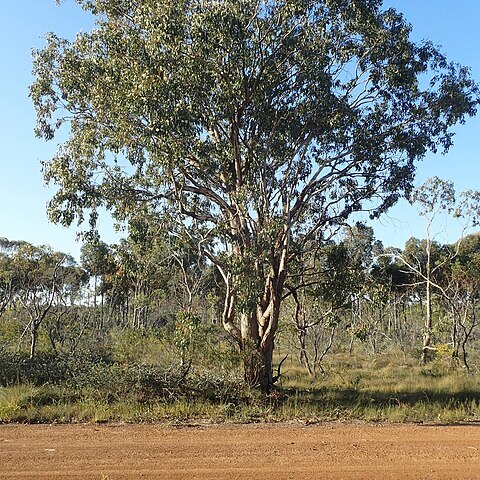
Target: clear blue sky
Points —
{"points": [[23, 196]]}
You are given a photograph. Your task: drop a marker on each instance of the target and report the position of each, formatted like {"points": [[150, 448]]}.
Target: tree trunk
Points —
{"points": [[425, 356], [455, 335], [259, 321], [266, 380], [304, 360], [250, 346], [33, 339], [258, 367], [258, 331]]}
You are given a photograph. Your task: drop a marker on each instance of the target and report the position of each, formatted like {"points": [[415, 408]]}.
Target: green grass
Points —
{"points": [[383, 391], [380, 391]]}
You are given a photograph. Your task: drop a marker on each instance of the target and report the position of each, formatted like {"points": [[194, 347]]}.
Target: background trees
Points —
{"points": [[42, 283], [162, 303], [261, 124]]}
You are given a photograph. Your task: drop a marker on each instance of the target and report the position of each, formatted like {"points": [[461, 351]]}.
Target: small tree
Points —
{"points": [[42, 276], [9, 276], [327, 284], [7, 283], [433, 197], [427, 260]]}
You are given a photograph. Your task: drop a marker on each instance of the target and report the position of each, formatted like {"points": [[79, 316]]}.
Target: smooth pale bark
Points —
{"points": [[427, 338]]}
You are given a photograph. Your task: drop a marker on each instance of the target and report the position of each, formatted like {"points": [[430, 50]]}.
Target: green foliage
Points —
{"points": [[133, 345], [434, 195], [17, 368], [252, 126], [186, 327], [10, 332], [374, 390]]}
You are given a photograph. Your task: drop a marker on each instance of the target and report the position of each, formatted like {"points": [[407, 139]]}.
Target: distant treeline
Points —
{"points": [[422, 300]]}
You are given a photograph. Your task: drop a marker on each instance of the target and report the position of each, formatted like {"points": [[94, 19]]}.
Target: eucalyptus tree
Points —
{"points": [[9, 277], [66, 321], [330, 287], [97, 260], [46, 279], [434, 196], [426, 260], [147, 272], [262, 122], [462, 282], [7, 283]]}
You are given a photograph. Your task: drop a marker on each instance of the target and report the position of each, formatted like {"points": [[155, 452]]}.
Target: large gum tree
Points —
{"points": [[260, 123]]}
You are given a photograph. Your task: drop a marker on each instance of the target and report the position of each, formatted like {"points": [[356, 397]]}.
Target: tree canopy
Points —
{"points": [[255, 125]]}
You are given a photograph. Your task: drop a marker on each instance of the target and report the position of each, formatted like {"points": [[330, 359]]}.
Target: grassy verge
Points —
{"points": [[372, 393]]}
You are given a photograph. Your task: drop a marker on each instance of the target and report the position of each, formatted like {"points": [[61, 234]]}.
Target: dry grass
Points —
{"points": [[369, 389]]}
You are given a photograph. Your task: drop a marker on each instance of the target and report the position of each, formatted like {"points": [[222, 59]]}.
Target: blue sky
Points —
{"points": [[23, 196]]}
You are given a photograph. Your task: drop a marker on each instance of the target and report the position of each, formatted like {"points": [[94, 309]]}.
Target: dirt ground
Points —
{"points": [[327, 451]]}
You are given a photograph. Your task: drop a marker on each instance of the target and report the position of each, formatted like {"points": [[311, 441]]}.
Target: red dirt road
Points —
{"points": [[280, 452]]}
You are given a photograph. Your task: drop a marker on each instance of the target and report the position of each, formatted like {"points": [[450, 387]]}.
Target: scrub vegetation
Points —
{"points": [[242, 144], [107, 351]]}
